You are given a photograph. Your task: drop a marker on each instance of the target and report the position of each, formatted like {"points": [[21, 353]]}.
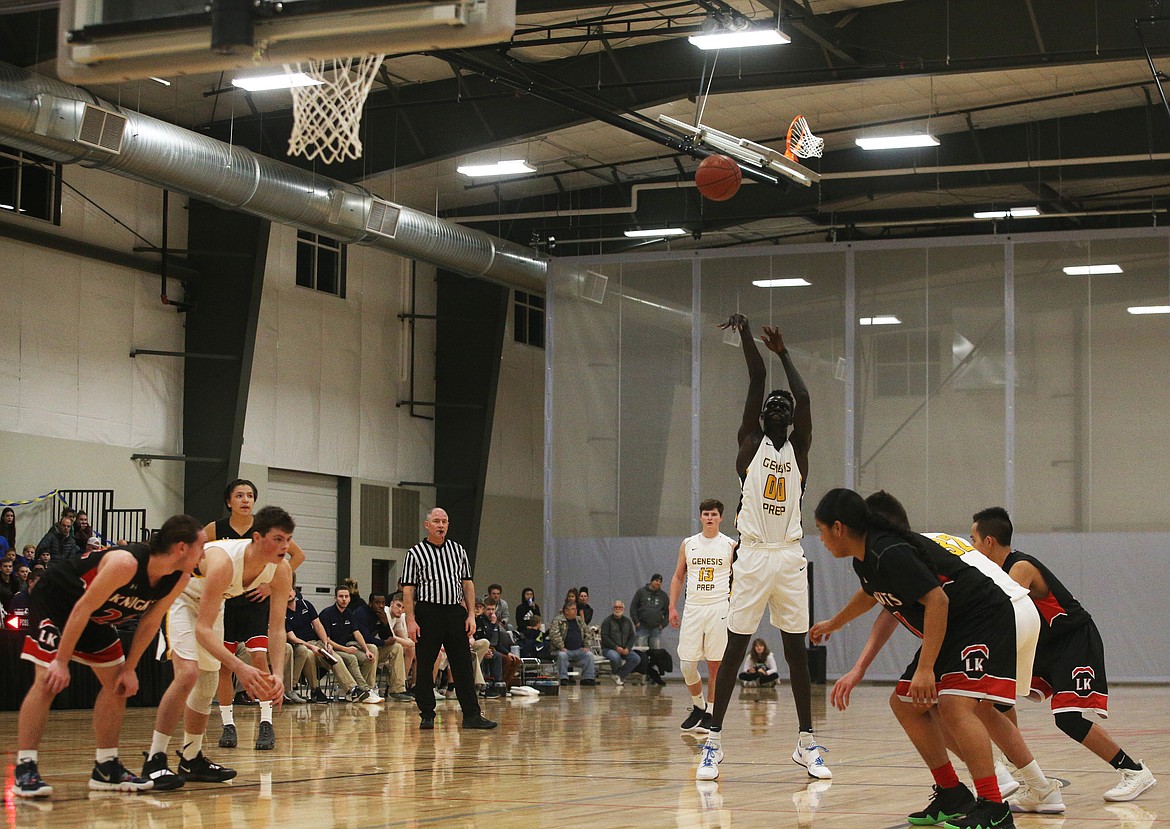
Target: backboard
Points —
{"points": [[109, 41]]}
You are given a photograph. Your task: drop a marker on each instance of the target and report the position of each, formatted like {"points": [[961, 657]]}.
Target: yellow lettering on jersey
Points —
{"points": [[953, 545], [775, 489]]}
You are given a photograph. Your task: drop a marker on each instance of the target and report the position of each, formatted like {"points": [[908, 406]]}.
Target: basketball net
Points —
{"points": [[327, 116], [801, 142]]}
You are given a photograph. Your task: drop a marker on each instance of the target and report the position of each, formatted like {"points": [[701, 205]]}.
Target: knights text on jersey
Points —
{"points": [[769, 509], [64, 584], [708, 569]]}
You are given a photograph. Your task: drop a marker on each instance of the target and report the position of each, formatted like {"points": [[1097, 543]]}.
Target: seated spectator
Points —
{"points": [[307, 636], [9, 585], [22, 575], [402, 637], [570, 643], [759, 666], [375, 627], [503, 664], [44, 557], [95, 543], [526, 609], [583, 608], [28, 555], [535, 644], [496, 593], [82, 531], [58, 541], [617, 643], [8, 527], [18, 607], [347, 642]]}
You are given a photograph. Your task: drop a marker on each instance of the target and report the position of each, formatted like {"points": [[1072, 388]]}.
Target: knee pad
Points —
{"points": [[1073, 724], [690, 672], [199, 700]]}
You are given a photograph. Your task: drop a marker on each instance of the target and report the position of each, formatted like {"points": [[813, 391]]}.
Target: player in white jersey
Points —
{"points": [[1000, 727], [195, 632], [770, 569], [704, 563]]}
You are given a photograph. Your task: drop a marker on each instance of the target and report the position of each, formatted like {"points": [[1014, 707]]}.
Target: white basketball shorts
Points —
{"points": [[704, 632], [181, 633], [1027, 636], [771, 576]]}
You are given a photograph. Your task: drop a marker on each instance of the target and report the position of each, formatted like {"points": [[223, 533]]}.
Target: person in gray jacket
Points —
{"points": [[617, 642], [649, 610]]}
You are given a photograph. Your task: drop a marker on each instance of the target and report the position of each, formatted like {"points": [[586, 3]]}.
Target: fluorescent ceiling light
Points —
{"points": [[1010, 213], [896, 142], [739, 40], [512, 167], [263, 83], [163, 81], [791, 282], [1092, 270], [1149, 309], [887, 320], [655, 233]]}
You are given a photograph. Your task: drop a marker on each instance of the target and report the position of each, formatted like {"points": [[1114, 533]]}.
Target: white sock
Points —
{"points": [[29, 756], [159, 743], [266, 710], [228, 714], [192, 745], [697, 699], [104, 754], [1033, 776], [806, 738], [714, 738]]}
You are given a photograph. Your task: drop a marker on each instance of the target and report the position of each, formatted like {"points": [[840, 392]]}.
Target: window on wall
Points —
{"points": [[321, 263], [528, 325], [29, 185], [905, 363]]}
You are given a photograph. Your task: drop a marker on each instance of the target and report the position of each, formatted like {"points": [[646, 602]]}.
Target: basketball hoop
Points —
{"points": [[327, 116], [801, 142]]}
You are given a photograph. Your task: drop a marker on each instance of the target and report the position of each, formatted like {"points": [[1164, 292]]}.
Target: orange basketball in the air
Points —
{"points": [[718, 177]]}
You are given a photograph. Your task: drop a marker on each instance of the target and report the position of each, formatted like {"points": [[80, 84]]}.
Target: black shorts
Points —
{"points": [[245, 622], [98, 645], [1071, 670], [977, 657]]}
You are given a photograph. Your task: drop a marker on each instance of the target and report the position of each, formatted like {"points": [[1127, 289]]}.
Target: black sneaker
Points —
{"points": [[944, 804], [984, 815], [426, 724], [28, 782], [242, 698], [402, 696], [490, 692], [155, 769], [112, 776], [229, 738], [589, 682], [202, 770], [266, 739], [357, 694], [694, 720], [479, 721], [319, 696]]}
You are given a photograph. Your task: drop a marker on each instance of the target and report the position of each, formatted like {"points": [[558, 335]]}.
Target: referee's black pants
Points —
{"points": [[443, 625]]}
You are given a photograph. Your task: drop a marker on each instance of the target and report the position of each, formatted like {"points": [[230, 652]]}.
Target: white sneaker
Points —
{"points": [[1007, 783], [439, 694], [617, 680], [1132, 784], [811, 755], [712, 756], [373, 698], [1046, 801]]}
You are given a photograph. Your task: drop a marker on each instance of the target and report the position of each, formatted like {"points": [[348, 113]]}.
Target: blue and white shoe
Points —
{"points": [[711, 757], [812, 756]]}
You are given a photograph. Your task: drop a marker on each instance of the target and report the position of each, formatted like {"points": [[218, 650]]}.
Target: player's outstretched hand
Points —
{"points": [[736, 322], [773, 340], [819, 633], [56, 677], [843, 689]]}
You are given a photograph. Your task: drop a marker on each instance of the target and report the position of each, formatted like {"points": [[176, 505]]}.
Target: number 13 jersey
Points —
{"points": [[708, 569], [769, 504]]}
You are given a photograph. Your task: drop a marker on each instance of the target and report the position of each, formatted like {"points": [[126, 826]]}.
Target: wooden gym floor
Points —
{"points": [[592, 757]]}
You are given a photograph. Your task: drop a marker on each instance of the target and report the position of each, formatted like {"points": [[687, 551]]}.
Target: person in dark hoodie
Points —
{"points": [[649, 610]]}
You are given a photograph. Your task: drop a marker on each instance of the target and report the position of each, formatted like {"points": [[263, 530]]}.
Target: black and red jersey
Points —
{"points": [[896, 572], [66, 582], [1060, 610]]}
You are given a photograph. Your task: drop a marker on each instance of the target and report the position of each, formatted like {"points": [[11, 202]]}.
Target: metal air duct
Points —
{"points": [[69, 125]]}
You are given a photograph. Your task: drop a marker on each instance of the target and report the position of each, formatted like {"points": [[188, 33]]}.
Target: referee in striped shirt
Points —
{"points": [[440, 612]]}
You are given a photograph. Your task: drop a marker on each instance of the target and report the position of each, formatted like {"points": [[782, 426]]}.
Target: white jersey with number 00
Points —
{"points": [[769, 509], [708, 569], [235, 549]]}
